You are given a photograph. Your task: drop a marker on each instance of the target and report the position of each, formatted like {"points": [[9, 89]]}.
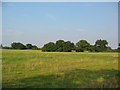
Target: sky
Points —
{"points": [[41, 22]]}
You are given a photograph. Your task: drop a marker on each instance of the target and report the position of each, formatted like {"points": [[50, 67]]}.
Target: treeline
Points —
{"points": [[68, 46], [18, 45], [81, 46]]}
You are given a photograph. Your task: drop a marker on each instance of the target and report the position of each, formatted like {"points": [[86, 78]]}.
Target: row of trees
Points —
{"points": [[19, 45], [59, 46], [68, 46], [81, 46]]}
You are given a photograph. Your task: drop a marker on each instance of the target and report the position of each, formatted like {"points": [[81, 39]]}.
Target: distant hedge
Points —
{"points": [[68, 46], [18, 45], [80, 46]]}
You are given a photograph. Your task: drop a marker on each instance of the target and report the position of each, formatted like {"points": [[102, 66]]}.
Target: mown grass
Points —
{"points": [[36, 69]]}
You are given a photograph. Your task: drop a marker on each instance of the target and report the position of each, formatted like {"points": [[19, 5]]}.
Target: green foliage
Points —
{"points": [[62, 46], [101, 45], [68, 46], [50, 47], [91, 48], [29, 46], [79, 49], [116, 50], [109, 49], [59, 45], [18, 45], [82, 45], [60, 49], [34, 47], [6, 47]]}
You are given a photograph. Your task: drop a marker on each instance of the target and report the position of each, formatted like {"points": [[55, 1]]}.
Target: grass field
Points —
{"points": [[36, 69]]}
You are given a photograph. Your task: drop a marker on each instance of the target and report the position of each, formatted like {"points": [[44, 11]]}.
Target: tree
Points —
{"points": [[34, 47], [82, 45], [108, 49], [101, 45], [18, 45], [68, 46], [79, 49], [5, 47], [91, 48], [29, 46], [50, 47], [59, 45]]}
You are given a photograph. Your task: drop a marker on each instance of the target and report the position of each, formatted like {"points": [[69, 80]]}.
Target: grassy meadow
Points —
{"points": [[36, 69]]}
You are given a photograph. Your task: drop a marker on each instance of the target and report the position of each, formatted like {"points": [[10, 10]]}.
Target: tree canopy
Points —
{"points": [[68, 46], [101, 45], [59, 46], [29, 46], [50, 47], [18, 45], [82, 45], [65, 46]]}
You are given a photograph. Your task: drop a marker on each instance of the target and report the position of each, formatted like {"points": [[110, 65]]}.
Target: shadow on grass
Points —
{"points": [[78, 78]]}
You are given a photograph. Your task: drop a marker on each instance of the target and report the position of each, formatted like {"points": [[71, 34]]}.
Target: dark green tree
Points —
{"points": [[29, 46], [79, 49], [18, 45], [59, 45], [34, 47], [68, 46], [50, 47], [91, 48], [108, 49], [101, 45], [82, 45], [5, 47]]}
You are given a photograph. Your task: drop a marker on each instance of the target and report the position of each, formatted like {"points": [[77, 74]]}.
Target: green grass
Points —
{"points": [[36, 69]]}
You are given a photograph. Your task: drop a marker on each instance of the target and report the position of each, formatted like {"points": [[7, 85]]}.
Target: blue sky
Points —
{"points": [[40, 23]]}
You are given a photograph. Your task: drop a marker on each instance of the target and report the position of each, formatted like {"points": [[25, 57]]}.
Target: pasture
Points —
{"points": [[36, 69]]}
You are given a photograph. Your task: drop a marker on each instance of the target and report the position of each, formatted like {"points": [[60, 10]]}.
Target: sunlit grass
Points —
{"points": [[33, 68]]}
